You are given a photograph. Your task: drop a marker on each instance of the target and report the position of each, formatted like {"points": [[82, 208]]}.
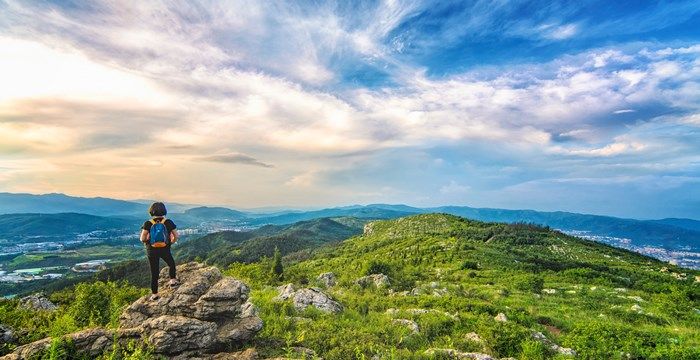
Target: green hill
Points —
{"points": [[225, 247], [601, 301]]}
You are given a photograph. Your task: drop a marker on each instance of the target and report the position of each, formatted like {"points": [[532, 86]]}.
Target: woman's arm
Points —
{"points": [[174, 236], [144, 236]]}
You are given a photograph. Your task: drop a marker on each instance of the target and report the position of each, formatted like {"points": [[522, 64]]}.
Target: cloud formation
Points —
{"points": [[235, 158], [424, 100]]}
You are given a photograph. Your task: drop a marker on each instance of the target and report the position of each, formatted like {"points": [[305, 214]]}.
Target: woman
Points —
{"points": [[158, 234]]}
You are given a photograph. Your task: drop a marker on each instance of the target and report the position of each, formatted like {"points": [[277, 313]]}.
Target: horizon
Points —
{"points": [[269, 209], [590, 108]]}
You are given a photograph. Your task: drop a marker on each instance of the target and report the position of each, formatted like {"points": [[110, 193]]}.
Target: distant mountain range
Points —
{"points": [[674, 234], [13, 203]]}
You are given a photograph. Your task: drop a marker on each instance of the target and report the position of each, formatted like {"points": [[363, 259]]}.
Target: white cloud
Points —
{"points": [[562, 32], [31, 70], [454, 188]]}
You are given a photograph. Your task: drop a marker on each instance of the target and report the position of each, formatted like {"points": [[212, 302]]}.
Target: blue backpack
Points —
{"points": [[159, 234]]}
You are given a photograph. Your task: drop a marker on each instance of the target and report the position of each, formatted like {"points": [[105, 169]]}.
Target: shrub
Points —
{"points": [[532, 283], [132, 351], [469, 265], [100, 303], [377, 267], [533, 350], [504, 338]]}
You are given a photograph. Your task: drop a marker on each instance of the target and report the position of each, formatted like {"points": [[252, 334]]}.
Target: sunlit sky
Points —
{"points": [[590, 106]]}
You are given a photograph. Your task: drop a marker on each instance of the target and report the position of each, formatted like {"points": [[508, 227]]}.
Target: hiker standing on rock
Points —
{"points": [[158, 234]]}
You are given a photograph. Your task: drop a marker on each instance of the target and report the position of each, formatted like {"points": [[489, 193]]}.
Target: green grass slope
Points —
{"points": [[223, 248], [604, 302]]}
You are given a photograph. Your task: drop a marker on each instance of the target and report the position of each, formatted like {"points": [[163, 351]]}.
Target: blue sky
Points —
{"points": [[587, 106]]}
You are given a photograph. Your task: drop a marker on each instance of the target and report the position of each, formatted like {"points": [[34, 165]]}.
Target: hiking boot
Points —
{"points": [[154, 297], [174, 283]]}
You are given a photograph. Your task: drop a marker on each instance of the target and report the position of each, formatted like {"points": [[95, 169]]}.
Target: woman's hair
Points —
{"points": [[157, 209]]}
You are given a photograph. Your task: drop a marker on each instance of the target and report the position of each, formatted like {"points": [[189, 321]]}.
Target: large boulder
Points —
{"points": [[305, 297], [37, 302], [206, 314]]}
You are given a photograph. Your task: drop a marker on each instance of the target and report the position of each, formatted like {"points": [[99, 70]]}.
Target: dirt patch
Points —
{"points": [[553, 329]]}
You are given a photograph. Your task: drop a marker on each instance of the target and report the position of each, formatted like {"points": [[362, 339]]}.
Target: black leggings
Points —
{"points": [[154, 256]]}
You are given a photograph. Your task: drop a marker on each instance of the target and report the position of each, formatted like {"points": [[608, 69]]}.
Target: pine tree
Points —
{"points": [[277, 268]]}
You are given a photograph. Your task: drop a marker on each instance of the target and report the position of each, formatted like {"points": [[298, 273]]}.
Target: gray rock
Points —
{"points": [[474, 337], [412, 325], [91, 342], [501, 317], [305, 297], [37, 302], [327, 279], [285, 291], [176, 334], [378, 280], [316, 298], [7, 335]]}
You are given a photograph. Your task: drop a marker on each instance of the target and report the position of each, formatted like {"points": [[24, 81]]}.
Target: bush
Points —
{"points": [[100, 303], [534, 350], [503, 338], [132, 351], [469, 265], [532, 283], [376, 267]]}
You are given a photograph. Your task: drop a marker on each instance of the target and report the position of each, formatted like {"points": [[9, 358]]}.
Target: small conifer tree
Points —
{"points": [[277, 268]]}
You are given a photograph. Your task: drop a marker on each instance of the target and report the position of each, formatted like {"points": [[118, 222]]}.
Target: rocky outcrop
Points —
{"points": [[305, 297], [37, 302], [327, 279], [206, 314], [378, 280], [91, 342]]}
